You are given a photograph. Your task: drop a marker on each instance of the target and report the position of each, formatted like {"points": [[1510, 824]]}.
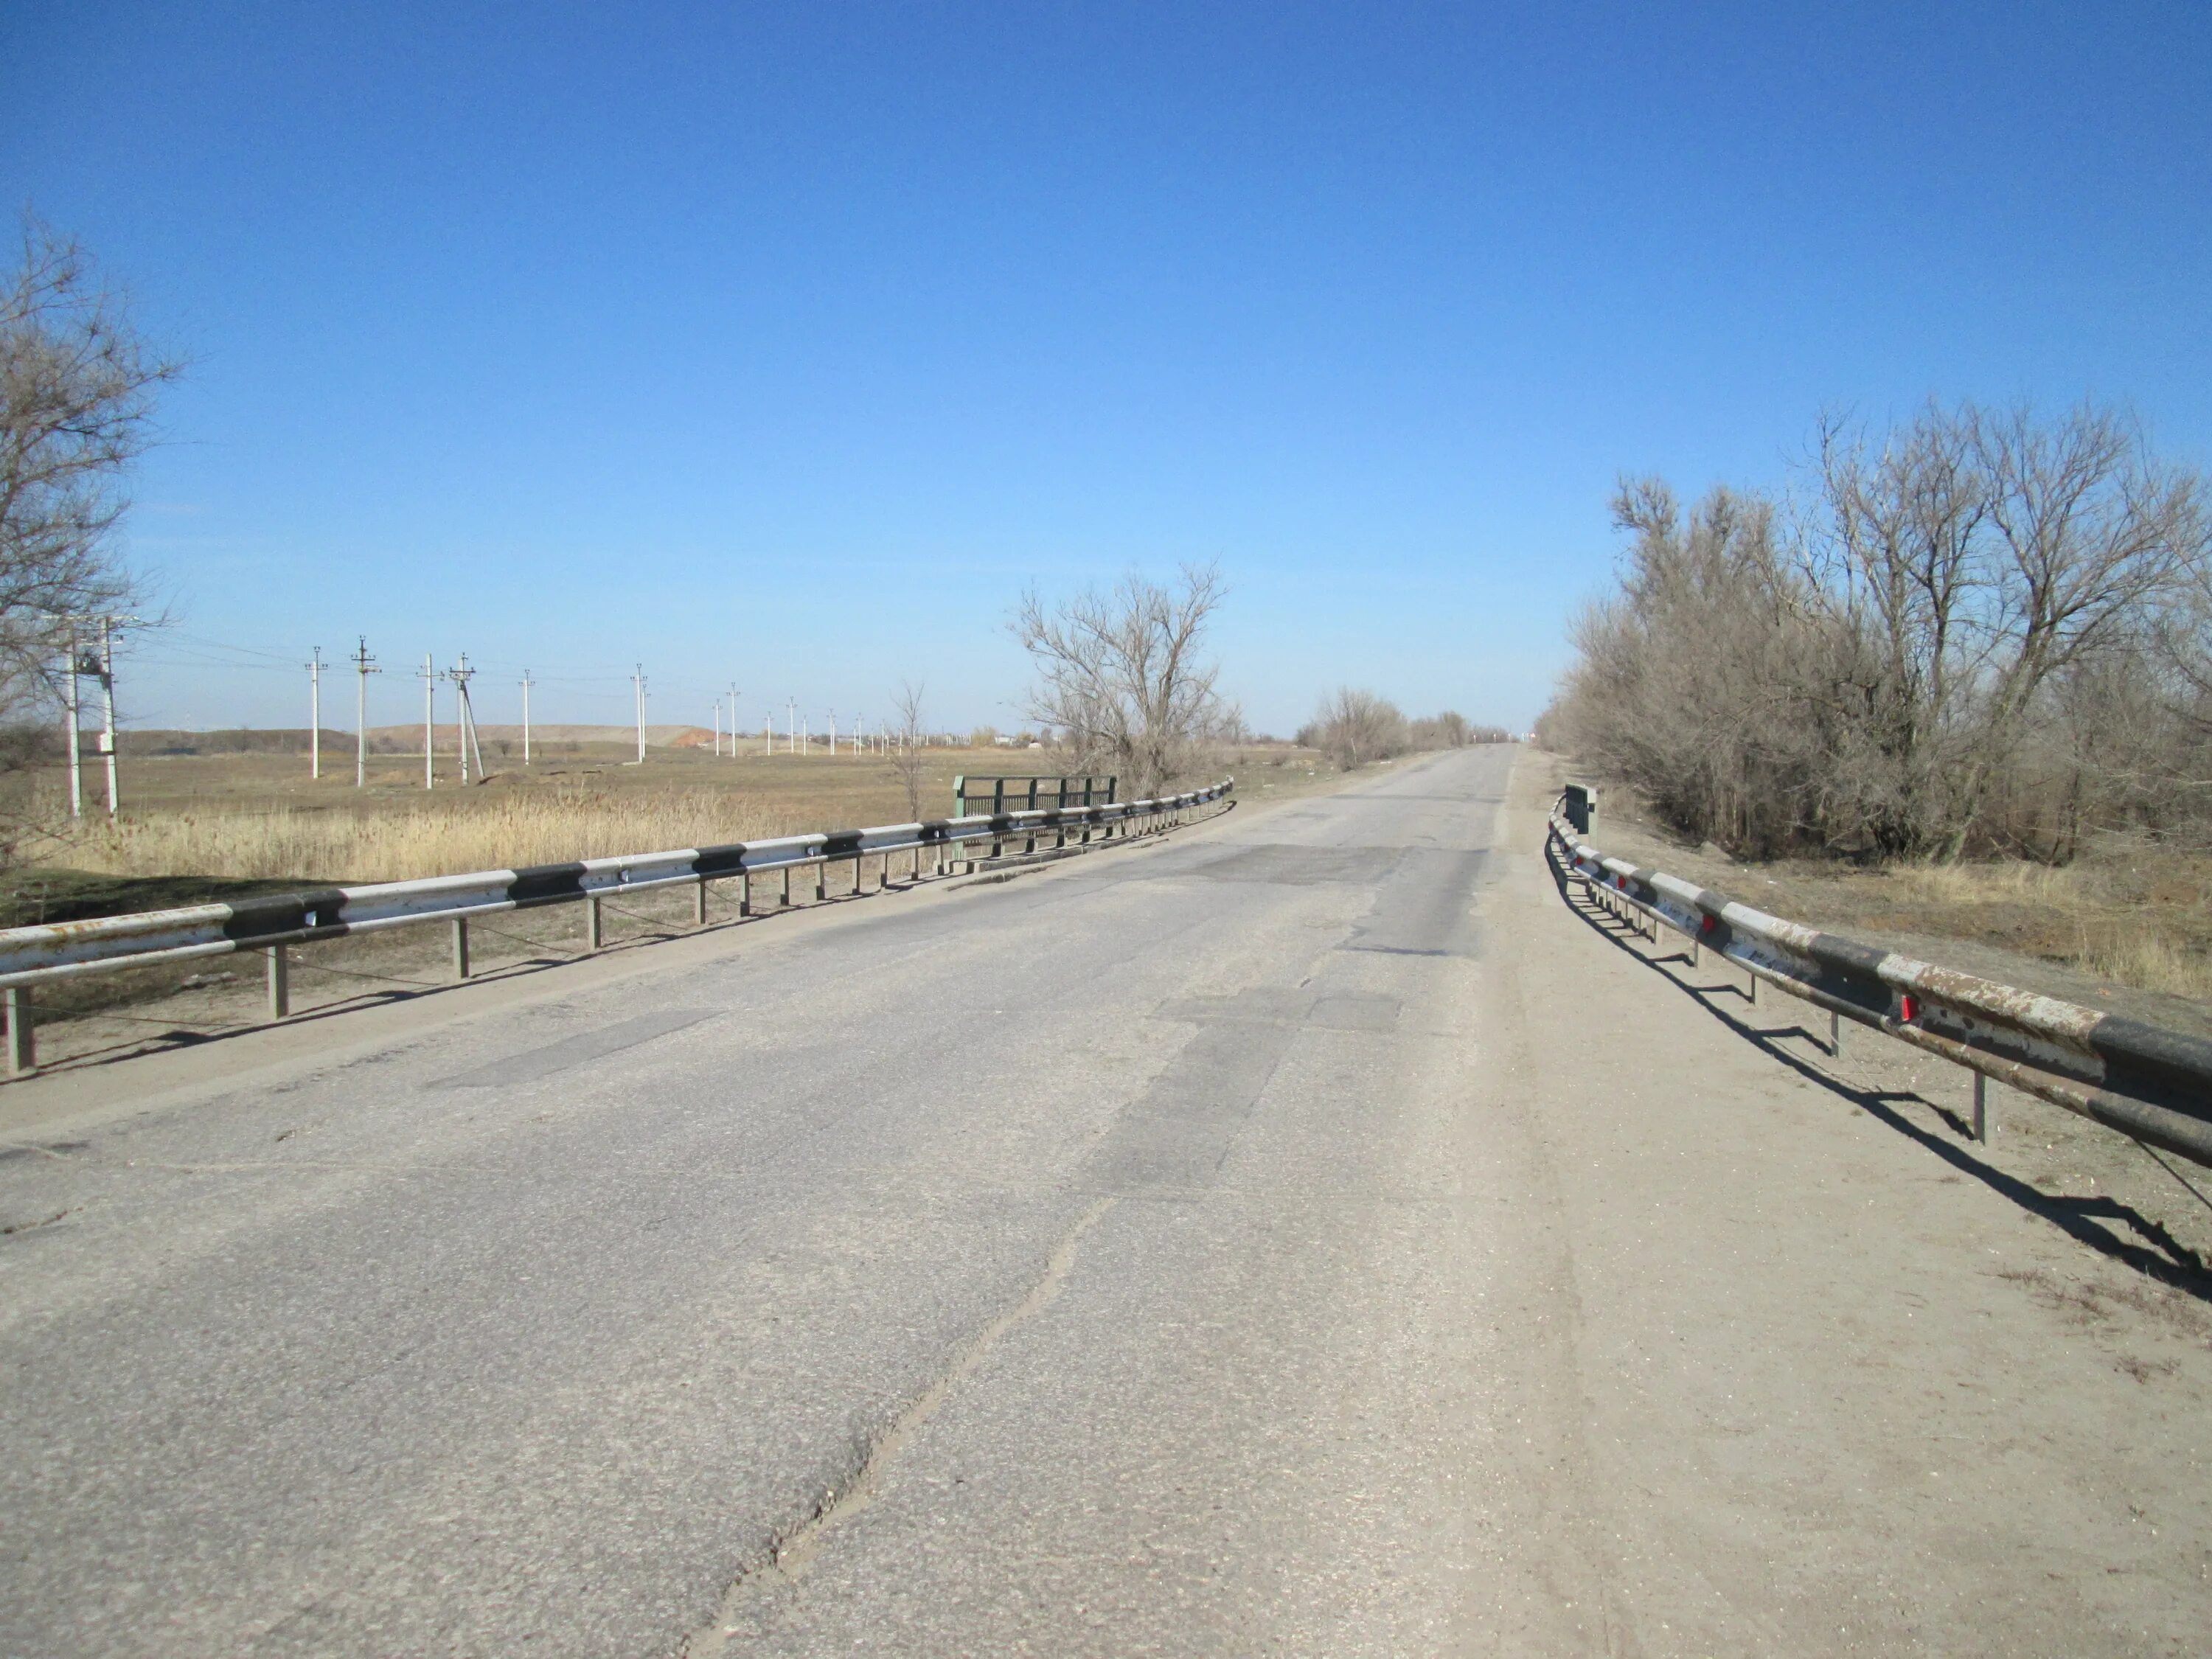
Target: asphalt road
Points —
{"points": [[1242, 1244]]}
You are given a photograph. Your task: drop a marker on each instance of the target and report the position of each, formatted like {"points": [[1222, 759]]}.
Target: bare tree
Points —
{"points": [[77, 384], [2092, 533], [909, 742], [1122, 681], [1989, 628]]}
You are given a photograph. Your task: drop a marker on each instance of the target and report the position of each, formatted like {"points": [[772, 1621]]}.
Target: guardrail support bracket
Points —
{"points": [[22, 1050], [279, 968]]}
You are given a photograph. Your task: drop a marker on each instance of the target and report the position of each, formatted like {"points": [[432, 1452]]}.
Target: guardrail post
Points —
{"points": [[820, 879], [745, 892], [594, 925], [1836, 1036], [279, 970], [1981, 1108], [460, 947], [699, 904], [22, 1051]]}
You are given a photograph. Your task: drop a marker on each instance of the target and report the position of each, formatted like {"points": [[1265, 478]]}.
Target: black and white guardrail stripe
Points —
{"points": [[29, 955], [2144, 1080]]}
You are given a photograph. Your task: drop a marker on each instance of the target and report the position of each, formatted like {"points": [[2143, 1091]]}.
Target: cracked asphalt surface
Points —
{"points": [[1242, 1244]]}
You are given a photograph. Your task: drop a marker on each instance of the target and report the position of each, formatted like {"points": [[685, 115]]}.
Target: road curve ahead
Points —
{"points": [[1102, 1262]]}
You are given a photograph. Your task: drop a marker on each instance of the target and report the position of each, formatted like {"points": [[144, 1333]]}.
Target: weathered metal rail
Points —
{"points": [[2143, 1080], [271, 924]]}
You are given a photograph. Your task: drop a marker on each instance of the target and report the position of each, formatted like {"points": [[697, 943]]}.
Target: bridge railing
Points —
{"points": [[2143, 1080], [273, 923], [1028, 792]]}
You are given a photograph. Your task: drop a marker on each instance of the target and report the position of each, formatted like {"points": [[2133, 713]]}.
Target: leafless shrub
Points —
{"points": [[1356, 728]]}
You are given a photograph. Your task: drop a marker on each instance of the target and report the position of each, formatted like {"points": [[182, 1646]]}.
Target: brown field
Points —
{"points": [[193, 825]]}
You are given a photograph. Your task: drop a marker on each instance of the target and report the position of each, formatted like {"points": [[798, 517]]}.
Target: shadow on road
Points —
{"points": [[2105, 1224]]}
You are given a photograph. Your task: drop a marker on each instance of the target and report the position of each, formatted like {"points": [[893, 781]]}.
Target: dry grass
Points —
{"points": [[2150, 960], [2129, 913], [486, 834], [2101, 914]]}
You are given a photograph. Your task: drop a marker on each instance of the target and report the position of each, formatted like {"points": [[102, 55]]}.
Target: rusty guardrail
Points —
{"points": [[32, 955], [2143, 1080]]}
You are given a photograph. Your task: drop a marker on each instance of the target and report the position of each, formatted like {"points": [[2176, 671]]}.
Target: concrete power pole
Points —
{"points": [[76, 732], [464, 718], [791, 726], [364, 666], [525, 717], [107, 690], [833, 734], [639, 678], [315, 714], [429, 722]]}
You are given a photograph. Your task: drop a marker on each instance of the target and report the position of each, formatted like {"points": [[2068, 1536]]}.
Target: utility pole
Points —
{"points": [[464, 718], [718, 728], [833, 734], [768, 734], [525, 717], [733, 719], [640, 678], [791, 726], [76, 733], [364, 666], [315, 714], [429, 722], [107, 688]]}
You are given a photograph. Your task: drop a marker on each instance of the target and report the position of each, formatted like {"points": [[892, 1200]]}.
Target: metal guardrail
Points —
{"points": [[32, 955], [2143, 1080]]}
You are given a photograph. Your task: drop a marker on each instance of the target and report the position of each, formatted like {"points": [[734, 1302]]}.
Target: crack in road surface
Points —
{"points": [[788, 1554]]}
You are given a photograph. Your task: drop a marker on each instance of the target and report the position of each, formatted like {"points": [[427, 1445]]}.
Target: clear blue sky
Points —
{"points": [[786, 343]]}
